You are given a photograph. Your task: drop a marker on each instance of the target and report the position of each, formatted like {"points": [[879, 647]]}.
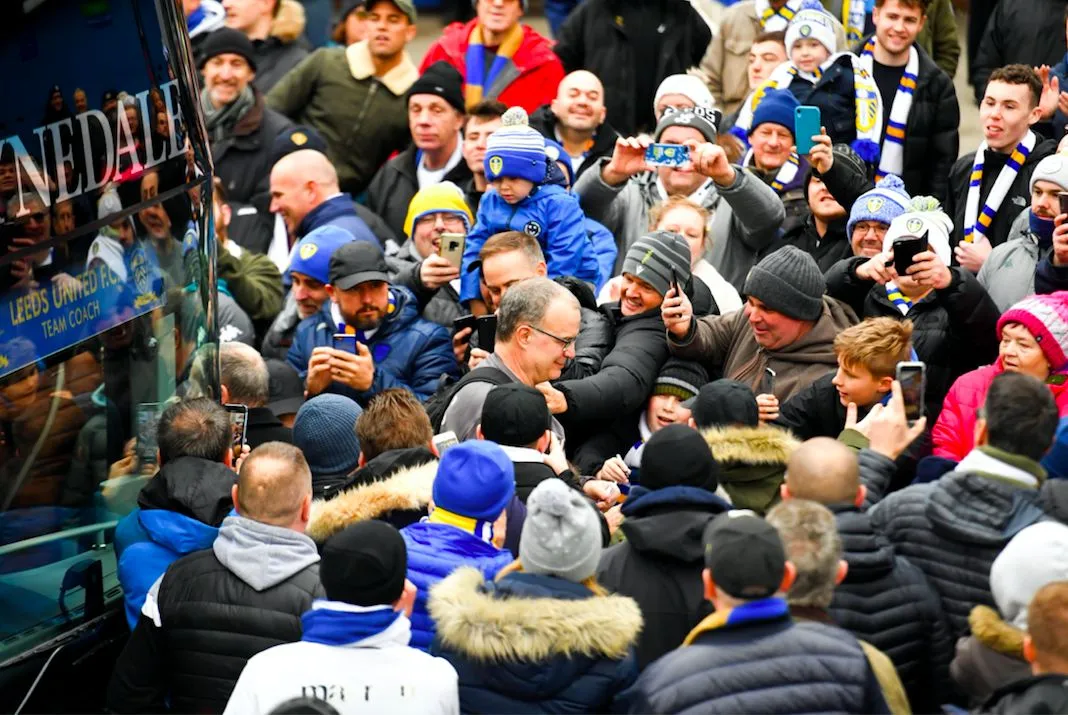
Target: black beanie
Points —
{"points": [[226, 40], [365, 564], [443, 80], [677, 456]]}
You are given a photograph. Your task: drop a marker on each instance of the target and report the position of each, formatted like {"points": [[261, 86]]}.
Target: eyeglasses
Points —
{"points": [[565, 343], [861, 228], [449, 220]]}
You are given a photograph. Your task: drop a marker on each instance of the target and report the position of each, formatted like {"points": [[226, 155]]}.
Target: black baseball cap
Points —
{"points": [[365, 564], [745, 555], [724, 403], [515, 415], [357, 262], [287, 389]]}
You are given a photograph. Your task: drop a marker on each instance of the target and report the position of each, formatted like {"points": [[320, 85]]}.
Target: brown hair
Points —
{"points": [[487, 109], [677, 201], [1047, 621], [517, 567], [920, 5], [508, 241], [394, 419], [1019, 74], [772, 36], [877, 345]]}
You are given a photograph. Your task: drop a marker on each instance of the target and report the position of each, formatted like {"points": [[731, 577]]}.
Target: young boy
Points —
{"points": [[820, 76], [868, 354], [521, 199]]}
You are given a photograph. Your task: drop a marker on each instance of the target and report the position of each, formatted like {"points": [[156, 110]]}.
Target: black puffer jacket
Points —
{"points": [[604, 141], [243, 160], [626, 376], [932, 132], [1029, 32], [1016, 200], [886, 601], [596, 332], [396, 182], [954, 330], [593, 39], [660, 563], [1037, 694], [953, 529]]}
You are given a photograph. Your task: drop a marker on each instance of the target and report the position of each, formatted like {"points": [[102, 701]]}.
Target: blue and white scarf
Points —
{"points": [[978, 220], [892, 149]]}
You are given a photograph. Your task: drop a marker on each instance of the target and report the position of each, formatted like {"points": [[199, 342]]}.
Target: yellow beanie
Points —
{"points": [[439, 198]]}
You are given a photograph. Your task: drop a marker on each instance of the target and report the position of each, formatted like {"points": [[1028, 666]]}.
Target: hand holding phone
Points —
{"points": [[345, 342], [913, 379], [238, 428], [1062, 199], [905, 251], [451, 247], [767, 382], [670, 155], [487, 332]]}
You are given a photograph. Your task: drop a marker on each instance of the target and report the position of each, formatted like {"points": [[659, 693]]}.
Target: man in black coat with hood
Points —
{"points": [[660, 563]]}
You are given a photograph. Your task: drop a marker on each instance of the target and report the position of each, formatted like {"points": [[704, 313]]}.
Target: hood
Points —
{"points": [[525, 620], [750, 445], [669, 523], [817, 346], [288, 24], [262, 555], [868, 553], [979, 510], [191, 486], [175, 532], [333, 208], [409, 488], [990, 630]]}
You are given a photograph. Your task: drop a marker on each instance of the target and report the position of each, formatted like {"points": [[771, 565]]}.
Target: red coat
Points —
{"points": [[539, 68], [954, 433]]}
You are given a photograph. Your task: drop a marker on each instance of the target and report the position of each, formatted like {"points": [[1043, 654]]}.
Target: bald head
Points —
{"points": [[579, 104], [274, 486], [823, 470], [299, 183]]}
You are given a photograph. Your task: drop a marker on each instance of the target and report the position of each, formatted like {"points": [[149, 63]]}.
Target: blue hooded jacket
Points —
{"points": [[180, 510], [337, 211], [549, 214], [408, 351]]}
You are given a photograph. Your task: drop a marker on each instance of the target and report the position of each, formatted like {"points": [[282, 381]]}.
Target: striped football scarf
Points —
{"points": [[854, 16], [979, 220], [892, 156], [898, 298], [477, 84], [772, 20], [476, 527], [867, 103], [787, 172]]}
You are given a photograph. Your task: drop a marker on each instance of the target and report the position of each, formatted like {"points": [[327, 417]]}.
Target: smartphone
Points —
{"points": [[238, 428], [905, 250], [767, 382], [913, 379], [147, 449], [487, 332], [345, 342], [675, 281], [672, 155], [1063, 198], [451, 247], [464, 321], [445, 440], [807, 124]]}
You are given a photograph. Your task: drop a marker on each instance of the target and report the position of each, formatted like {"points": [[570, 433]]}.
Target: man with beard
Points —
{"points": [[576, 119], [393, 346]]}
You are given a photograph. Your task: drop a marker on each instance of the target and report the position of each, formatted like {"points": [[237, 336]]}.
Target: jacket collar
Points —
{"points": [[249, 123], [643, 499], [472, 621], [398, 80], [764, 610], [1003, 466], [335, 206]]}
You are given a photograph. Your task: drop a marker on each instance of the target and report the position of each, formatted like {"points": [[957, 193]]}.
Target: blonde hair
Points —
{"points": [[678, 201], [877, 345], [517, 567]]}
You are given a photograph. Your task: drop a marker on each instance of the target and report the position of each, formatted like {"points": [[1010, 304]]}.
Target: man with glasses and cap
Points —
{"points": [[393, 346]]}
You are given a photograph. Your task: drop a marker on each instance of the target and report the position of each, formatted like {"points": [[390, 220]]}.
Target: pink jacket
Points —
{"points": [[954, 433]]}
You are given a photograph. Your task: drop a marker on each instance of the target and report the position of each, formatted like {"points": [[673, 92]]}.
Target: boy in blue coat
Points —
{"points": [[522, 199]]}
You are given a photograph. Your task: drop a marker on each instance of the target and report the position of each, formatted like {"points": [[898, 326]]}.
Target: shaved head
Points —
{"points": [[823, 470], [582, 79], [307, 165], [579, 104], [273, 485], [299, 183]]}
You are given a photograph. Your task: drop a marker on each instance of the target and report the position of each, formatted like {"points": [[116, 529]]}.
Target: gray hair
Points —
{"points": [[245, 374], [810, 534], [14, 203], [527, 303]]}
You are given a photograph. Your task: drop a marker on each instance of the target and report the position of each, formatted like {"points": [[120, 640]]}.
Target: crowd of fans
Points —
{"points": [[541, 421]]}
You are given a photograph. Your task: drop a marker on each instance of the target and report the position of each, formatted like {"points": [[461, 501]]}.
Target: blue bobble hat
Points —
{"points": [[516, 150], [475, 479], [312, 257], [776, 107], [884, 203]]}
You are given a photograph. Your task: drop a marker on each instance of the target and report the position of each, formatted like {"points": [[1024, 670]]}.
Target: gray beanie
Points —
{"points": [[652, 257], [788, 281], [562, 533]]}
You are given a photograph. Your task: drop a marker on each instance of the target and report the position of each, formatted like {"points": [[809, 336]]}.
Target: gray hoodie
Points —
{"points": [[262, 555], [1008, 274]]}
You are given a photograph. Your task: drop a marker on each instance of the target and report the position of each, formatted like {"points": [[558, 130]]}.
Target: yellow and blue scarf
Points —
{"points": [[476, 527], [761, 610], [478, 83], [772, 20]]}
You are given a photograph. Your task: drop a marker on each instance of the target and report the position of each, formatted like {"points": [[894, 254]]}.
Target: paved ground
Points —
{"points": [[970, 134]]}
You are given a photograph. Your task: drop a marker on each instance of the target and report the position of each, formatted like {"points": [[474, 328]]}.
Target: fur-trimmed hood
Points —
{"points": [[288, 25], [408, 489], [529, 618], [992, 631], [750, 445]]}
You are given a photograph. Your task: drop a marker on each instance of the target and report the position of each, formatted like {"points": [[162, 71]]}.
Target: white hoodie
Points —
{"points": [[379, 674]]}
